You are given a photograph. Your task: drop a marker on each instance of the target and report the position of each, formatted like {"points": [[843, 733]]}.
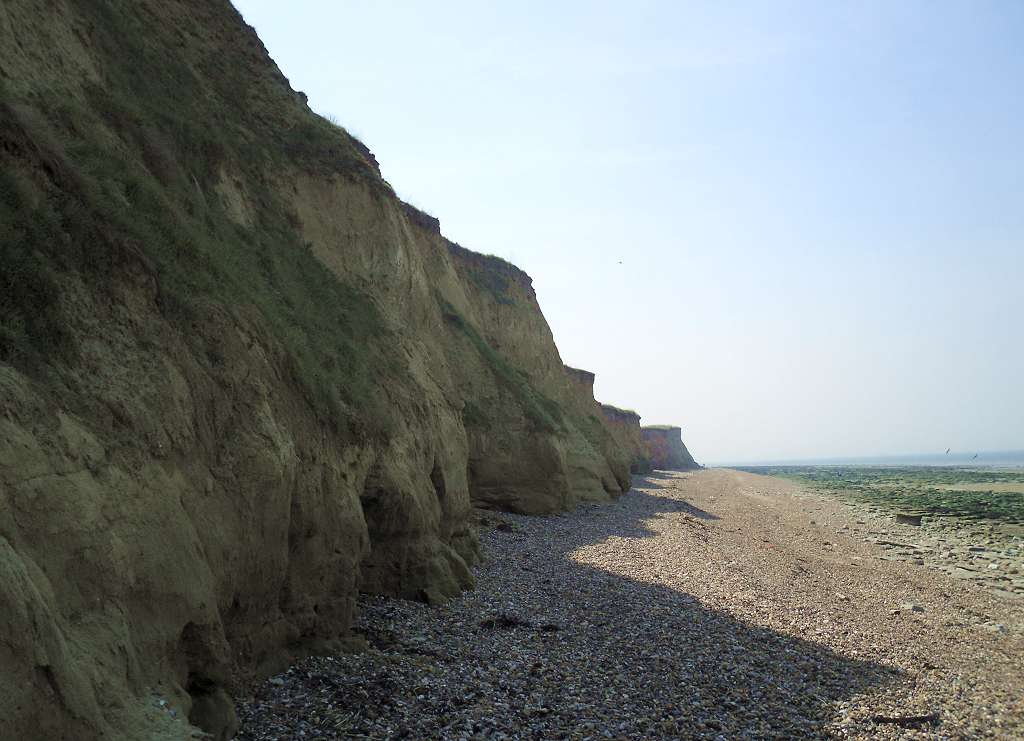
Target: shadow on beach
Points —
{"points": [[609, 656], [707, 666]]}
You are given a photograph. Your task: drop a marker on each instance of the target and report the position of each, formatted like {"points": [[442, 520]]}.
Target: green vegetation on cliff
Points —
{"points": [[543, 413], [131, 167]]}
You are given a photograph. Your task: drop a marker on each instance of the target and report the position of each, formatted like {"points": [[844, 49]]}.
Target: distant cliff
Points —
{"points": [[241, 380], [665, 448], [624, 425]]}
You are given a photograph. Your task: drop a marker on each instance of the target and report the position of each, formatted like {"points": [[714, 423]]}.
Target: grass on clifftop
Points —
{"points": [[490, 273], [543, 413]]}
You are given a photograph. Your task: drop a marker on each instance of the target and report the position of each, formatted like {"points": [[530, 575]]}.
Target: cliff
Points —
{"points": [[665, 448], [240, 380], [535, 445], [624, 426]]}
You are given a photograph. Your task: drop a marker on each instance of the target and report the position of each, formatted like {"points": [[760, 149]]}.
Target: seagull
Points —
{"points": [[947, 451], [975, 456]]}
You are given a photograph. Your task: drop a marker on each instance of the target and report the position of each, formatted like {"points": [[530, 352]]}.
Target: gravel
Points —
{"points": [[698, 605]]}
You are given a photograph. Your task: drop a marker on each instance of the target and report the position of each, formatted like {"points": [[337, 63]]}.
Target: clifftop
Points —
{"points": [[492, 272], [421, 219], [625, 415]]}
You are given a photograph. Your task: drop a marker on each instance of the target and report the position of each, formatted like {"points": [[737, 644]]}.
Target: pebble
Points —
{"points": [[664, 615]]}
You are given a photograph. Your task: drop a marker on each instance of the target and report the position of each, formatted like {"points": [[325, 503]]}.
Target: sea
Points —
{"points": [[985, 458]]}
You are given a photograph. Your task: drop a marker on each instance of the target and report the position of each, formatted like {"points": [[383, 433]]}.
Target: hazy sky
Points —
{"points": [[794, 229]]}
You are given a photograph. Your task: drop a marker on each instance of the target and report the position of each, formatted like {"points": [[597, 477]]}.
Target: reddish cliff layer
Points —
{"points": [[665, 448]]}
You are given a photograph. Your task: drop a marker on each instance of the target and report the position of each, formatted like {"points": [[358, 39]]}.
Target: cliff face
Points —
{"points": [[665, 449], [624, 425], [534, 444], [239, 379]]}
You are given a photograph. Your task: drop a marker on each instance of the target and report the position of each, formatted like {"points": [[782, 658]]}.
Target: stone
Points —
{"points": [[908, 519]]}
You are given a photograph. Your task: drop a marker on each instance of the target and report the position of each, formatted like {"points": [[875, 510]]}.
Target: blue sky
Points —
{"points": [[818, 207]]}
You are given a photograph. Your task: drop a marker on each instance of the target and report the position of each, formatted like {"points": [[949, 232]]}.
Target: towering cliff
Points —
{"points": [[240, 380], [665, 448]]}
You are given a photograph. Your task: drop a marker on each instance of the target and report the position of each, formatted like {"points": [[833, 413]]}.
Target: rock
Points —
{"points": [[1008, 594], [907, 519]]}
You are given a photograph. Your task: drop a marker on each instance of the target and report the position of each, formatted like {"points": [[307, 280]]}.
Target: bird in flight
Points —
{"points": [[947, 451], [975, 456]]}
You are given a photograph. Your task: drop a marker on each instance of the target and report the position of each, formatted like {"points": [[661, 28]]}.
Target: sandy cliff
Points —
{"points": [[665, 448], [624, 425], [240, 380]]}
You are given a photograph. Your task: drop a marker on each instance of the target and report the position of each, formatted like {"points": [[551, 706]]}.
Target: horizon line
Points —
{"points": [[850, 458]]}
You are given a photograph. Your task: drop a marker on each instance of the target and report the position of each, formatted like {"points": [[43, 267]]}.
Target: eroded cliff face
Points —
{"points": [[536, 444], [239, 379], [665, 448], [624, 425]]}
